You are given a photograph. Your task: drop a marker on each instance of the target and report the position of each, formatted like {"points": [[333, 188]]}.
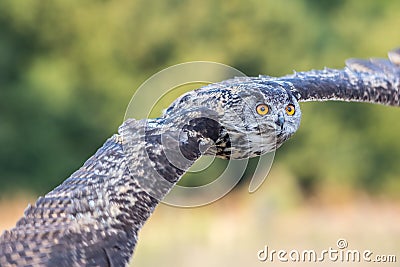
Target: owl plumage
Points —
{"points": [[93, 217]]}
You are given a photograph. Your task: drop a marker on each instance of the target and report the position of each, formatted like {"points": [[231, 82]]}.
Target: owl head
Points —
{"points": [[237, 118]]}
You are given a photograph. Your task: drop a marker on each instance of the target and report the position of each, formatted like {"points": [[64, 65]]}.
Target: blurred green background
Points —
{"points": [[69, 68]]}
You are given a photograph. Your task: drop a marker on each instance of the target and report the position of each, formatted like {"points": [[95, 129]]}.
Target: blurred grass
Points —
{"points": [[68, 70], [232, 230]]}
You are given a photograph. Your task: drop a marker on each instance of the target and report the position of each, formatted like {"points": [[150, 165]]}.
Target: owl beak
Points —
{"points": [[280, 120]]}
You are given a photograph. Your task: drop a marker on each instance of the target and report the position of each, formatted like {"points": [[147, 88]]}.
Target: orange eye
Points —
{"points": [[290, 110], [262, 109]]}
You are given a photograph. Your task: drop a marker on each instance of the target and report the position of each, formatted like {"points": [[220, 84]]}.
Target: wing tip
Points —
{"points": [[362, 65], [394, 56]]}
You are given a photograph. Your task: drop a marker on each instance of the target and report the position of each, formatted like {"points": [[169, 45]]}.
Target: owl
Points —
{"points": [[93, 218]]}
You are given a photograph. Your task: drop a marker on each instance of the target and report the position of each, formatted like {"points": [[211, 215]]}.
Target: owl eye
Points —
{"points": [[262, 109], [290, 110]]}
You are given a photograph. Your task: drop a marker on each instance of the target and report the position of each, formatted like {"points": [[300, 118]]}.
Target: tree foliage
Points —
{"points": [[68, 68]]}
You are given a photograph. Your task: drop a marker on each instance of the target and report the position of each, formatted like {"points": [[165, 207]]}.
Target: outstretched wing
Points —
{"points": [[93, 217], [373, 81], [72, 225]]}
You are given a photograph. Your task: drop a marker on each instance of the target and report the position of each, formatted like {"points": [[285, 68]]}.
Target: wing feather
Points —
{"points": [[373, 81], [69, 225], [394, 56]]}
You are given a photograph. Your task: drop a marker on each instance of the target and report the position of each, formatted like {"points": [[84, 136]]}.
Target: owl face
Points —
{"points": [[237, 118], [261, 119], [253, 118]]}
